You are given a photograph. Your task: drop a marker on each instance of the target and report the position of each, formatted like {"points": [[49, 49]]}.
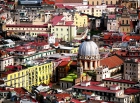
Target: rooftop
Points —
{"points": [[71, 77], [93, 87], [56, 19], [120, 81], [130, 91], [68, 1], [112, 61]]}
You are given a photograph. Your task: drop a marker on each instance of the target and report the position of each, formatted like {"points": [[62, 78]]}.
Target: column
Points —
{"points": [[95, 64], [85, 68], [91, 65], [98, 62]]}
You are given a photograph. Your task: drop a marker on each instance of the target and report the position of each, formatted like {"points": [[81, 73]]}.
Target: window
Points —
{"points": [[61, 29], [126, 21], [111, 2], [10, 76], [122, 21], [56, 29], [97, 3], [92, 2], [106, 2]]}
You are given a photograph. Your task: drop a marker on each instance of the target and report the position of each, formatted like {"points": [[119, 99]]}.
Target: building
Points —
{"points": [[74, 78], [124, 21], [4, 43], [113, 63], [64, 32], [85, 9], [102, 72], [110, 9], [123, 83], [62, 69], [5, 60], [69, 2], [47, 37], [131, 70], [111, 94], [67, 49], [30, 2], [88, 60], [80, 20], [88, 55], [29, 30], [33, 73], [99, 10], [99, 2], [112, 23], [30, 51], [130, 3], [110, 38], [132, 52]]}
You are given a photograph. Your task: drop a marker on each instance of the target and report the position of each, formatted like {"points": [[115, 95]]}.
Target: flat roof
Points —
{"points": [[120, 81]]}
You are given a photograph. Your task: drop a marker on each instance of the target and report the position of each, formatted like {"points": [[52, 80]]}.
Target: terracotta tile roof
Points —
{"points": [[56, 19], [63, 63], [68, 1], [75, 101], [27, 26], [134, 37], [60, 6], [121, 53], [48, 2], [13, 67], [39, 43], [111, 6], [97, 101], [120, 81], [69, 22], [95, 88], [45, 35], [74, 63], [112, 16], [112, 61], [87, 93], [20, 90], [62, 96], [69, 7], [130, 91]]}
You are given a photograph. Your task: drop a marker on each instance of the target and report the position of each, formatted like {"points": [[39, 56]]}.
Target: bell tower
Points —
{"points": [[79, 69]]}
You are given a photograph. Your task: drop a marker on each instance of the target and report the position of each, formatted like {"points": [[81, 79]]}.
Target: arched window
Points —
{"points": [[111, 2], [97, 3], [126, 21], [122, 21], [92, 2], [106, 2]]}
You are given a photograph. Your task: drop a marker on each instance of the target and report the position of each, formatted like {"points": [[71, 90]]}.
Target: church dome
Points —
{"points": [[88, 48]]}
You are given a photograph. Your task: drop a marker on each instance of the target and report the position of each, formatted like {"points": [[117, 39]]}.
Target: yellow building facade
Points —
{"points": [[80, 20], [31, 76], [99, 2], [73, 50], [64, 32]]}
